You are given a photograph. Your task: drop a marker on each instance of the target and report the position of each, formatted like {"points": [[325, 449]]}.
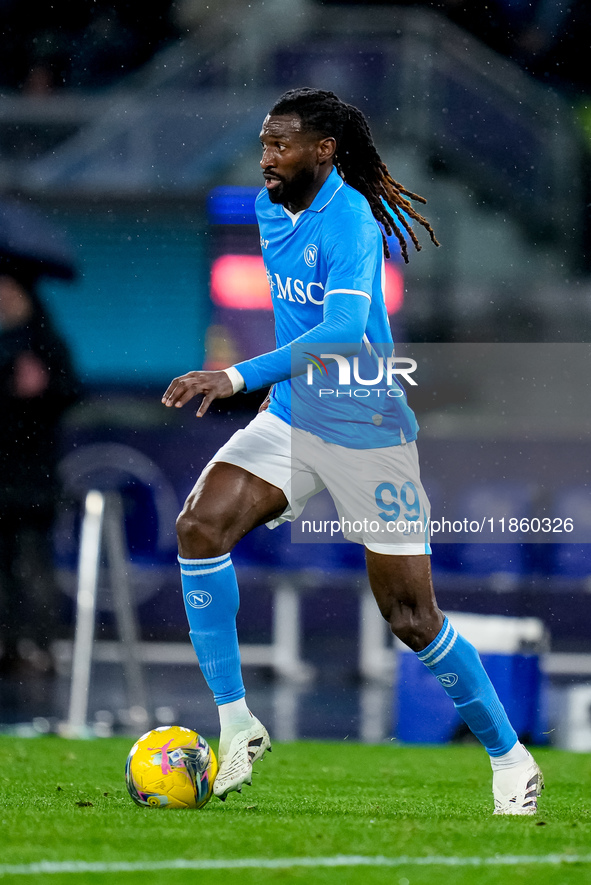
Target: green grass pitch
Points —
{"points": [[426, 811]]}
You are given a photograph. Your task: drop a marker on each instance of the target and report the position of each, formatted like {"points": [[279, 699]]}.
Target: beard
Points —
{"points": [[291, 190]]}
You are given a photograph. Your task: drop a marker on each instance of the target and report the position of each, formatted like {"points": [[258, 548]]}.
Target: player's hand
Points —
{"points": [[265, 403], [213, 385]]}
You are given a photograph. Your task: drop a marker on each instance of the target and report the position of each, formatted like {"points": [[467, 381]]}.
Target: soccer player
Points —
{"points": [[326, 202]]}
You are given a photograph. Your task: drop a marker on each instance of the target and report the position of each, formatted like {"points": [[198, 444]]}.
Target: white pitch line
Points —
{"points": [[259, 863]]}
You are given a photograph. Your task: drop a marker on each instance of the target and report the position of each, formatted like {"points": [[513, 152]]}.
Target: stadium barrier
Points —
{"points": [[573, 722], [102, 530]]}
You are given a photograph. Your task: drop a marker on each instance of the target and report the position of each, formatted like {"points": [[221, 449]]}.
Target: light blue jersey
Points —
{"points": [[325, 271]]}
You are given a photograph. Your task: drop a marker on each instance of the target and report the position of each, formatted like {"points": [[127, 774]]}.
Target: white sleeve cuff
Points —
{"points": [[236, 378]]}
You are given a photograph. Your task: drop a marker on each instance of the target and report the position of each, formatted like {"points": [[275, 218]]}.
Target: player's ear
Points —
{"points": [[326, 149]]}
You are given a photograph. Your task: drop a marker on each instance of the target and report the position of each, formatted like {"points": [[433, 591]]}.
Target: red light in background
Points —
{"points": [[240, 282], [394, 288]]}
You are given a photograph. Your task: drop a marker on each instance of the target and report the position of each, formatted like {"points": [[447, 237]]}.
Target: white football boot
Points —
{"points": [[516, 790], [235, 766]]}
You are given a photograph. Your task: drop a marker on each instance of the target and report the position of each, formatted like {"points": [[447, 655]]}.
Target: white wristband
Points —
{"points": [[236, 378]]}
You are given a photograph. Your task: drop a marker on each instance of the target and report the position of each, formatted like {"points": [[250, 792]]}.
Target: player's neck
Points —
{"points": [[307, 197]]}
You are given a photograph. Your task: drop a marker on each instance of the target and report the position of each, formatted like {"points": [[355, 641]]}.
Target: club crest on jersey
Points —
{"points": [[311, 255]]}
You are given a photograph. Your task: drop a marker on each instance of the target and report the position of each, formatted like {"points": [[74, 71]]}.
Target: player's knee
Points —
{"points": [[416, 629], [200, 536]]}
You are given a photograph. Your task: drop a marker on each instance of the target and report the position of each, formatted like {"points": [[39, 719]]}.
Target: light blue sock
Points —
{"points": [[210, 594], [457, 666]]}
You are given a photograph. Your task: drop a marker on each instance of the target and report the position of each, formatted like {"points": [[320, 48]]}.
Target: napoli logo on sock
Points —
{"points": [[448, 680], [198, 599]]}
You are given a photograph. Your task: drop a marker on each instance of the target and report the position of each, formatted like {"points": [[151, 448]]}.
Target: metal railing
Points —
{"points": [[102, 530]]}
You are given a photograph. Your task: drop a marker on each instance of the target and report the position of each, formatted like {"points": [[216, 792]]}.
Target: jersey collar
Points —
{"points": [[333, 183]]}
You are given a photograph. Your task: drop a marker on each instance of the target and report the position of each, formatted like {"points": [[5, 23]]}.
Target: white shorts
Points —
{"points": [[378, 494]]}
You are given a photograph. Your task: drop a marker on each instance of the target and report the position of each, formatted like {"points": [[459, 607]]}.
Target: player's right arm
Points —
{"points": [[344, 321], [352, 247]]}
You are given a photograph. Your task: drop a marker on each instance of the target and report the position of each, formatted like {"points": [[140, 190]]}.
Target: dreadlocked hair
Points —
{"points": [[357, 160]]}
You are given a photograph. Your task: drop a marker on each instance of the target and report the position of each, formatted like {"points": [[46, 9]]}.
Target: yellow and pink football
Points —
{"points": [[171, 767]]}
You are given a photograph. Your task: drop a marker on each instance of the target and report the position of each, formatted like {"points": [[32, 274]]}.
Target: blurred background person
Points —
{"points": [[37, 385]]}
